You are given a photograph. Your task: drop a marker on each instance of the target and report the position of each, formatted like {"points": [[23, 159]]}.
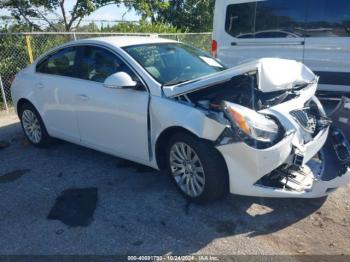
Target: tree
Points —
{"points": [[187, 15], [141, 27], [149, 8], [35, 12], [191, 15]]}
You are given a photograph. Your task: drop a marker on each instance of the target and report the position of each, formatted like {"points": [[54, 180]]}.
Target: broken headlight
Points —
{"points": [[255, 125]]}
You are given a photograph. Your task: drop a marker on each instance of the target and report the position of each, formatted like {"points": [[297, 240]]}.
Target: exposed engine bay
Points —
{"points": [[242, 90], [294, 175]]}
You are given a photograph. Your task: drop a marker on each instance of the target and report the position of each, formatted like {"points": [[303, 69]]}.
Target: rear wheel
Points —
{"points": [[33, 126], [197, 168]]}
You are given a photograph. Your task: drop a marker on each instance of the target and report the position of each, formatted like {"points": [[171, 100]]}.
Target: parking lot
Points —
{"points": [[131, 209]]}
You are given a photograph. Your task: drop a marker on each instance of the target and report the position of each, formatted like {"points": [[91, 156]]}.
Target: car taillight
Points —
{"points": [[214, 48]]}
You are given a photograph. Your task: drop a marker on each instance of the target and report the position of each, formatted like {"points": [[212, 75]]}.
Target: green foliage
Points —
{"points": [[42, 43], [149, 8], [91, 27], [26, 11], [201, 41], [187, 15], [142, 27], [13, 60], [14, 54], [191, 15]]}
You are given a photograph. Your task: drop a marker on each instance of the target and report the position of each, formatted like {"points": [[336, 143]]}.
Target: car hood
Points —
{"points": [[274, 74]]}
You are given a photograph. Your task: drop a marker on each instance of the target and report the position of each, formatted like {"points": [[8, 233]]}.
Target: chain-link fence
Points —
{"points": [[17, 50]]}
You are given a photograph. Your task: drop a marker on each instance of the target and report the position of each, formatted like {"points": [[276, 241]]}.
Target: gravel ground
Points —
{"points": [[131, 209]]}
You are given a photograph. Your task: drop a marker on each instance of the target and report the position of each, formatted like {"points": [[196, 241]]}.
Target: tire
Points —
{"points": [[208, 173], [33, 126]]}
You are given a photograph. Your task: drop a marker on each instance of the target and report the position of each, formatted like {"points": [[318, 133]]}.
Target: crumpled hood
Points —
{"points": [[280, 74], [274, 74]]}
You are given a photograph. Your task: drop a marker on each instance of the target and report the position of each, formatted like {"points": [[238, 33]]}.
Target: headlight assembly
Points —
{"points": [[255, 125]]}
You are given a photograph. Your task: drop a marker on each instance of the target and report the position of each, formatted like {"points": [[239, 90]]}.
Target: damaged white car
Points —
{"points": [[256, 129]]}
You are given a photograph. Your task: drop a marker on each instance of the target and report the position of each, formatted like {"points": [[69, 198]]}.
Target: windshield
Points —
{"points": [[174, 63]]}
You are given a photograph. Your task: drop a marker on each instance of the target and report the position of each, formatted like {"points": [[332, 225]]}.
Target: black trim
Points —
{"points": [[329, 95], [334, 78], [149, 128]]}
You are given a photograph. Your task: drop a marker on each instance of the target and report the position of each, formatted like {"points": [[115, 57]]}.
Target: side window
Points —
{"points": [[97, 64], [240, 20], [266, 19], [60, 63], [280, 18], [327, 18]]}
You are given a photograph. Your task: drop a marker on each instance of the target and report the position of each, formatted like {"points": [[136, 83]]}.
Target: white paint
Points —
{"points": [[119, 80], [210, 61], [328, 54]]}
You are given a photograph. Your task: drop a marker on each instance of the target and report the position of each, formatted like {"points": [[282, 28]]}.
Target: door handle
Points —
{"points": [[39, 85], [83, 97]]}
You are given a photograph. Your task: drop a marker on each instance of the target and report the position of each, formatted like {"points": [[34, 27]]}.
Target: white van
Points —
{"points": [[316, 32]]}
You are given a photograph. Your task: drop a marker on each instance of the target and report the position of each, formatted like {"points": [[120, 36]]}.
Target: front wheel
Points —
{"points": [[197, 168], [33, 126]]}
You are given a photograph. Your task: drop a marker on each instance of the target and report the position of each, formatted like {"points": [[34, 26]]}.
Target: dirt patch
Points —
{"points": [[75, 207], [137, 243], [12, 176], [4, 144]]}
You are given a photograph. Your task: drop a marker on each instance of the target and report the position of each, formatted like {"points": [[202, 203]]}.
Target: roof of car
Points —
{"points": [[123, 41], [119, 41]]}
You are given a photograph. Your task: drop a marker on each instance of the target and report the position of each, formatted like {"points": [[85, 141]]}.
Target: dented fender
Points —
{"points": [[168, 113]]}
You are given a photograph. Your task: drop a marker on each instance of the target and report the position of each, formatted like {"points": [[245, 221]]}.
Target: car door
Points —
{"points": [[327, 43], [55, 86], [111, 120], [257, 29]]}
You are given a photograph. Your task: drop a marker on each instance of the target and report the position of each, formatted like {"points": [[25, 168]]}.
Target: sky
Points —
{"points": [[110, 12], [113, 12]]}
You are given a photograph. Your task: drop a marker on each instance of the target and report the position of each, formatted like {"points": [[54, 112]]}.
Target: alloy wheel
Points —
{"points": [[31, 126], [187, 169]]}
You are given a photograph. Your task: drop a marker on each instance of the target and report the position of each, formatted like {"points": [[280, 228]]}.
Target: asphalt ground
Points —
{"points": [[71, 200]]}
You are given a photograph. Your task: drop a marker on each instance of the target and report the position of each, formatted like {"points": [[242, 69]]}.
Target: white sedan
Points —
{"points": [[256, 129]]}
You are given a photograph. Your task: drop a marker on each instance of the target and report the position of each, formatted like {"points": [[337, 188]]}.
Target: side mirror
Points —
{"points": [[120, 80]]}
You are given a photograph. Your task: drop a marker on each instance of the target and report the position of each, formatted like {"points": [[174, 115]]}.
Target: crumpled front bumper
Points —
{"points": [[247, 165]]}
